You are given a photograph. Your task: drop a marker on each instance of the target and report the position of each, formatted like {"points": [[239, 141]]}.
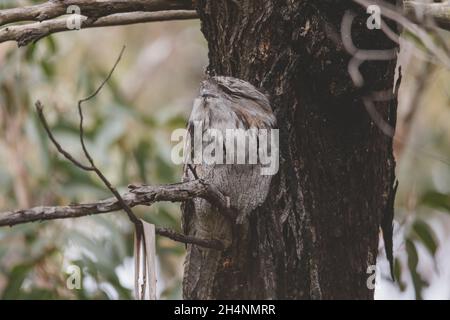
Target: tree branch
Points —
{"points": [[121, 12], [92, 9], [423, 12], [137, 195], [27, 33], [185, 191]]}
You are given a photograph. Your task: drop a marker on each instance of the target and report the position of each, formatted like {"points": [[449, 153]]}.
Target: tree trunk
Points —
{"points": [[318, 231]]}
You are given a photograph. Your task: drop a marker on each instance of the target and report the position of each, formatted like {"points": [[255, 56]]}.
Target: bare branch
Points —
{"points": [[88, 8], [28, 33], [206, 243], [202, 190], [138, 195]]}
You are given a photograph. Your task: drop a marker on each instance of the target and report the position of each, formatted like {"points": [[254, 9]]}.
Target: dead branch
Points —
{"points": [[92, 9], [121, 12], [28, 33], [137, 195]]}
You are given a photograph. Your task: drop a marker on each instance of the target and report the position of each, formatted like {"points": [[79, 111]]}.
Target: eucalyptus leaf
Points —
{"points": [[426, 235], [436, 200]]}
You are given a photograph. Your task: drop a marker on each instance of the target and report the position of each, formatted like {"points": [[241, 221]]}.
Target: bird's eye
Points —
{"points": [[209, 95]]}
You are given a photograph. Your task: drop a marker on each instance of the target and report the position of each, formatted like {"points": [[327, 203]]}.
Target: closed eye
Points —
{"points": [[209, 95]]}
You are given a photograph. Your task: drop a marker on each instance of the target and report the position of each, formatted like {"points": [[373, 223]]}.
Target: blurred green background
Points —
{"points": [[128, 129]]}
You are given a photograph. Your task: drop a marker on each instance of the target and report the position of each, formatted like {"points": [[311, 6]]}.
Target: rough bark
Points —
{"points": [[318, 230]]}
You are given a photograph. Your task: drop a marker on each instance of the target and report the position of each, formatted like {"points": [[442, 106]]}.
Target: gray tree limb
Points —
{"points": [[137, 195], [93, 9], [27, 33]]}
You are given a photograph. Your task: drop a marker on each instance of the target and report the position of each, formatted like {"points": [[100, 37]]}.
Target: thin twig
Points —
{"points": [[93, 167], [206, 243], [102, 177], [137, 195], [67, 155]]}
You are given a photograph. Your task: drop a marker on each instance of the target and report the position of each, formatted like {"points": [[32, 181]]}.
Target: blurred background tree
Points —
{"points": [[128, 129]]}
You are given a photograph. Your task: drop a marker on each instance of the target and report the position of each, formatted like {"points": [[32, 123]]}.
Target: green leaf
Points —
{"points": [[48, 68], [176, 122], [426, 236], [436, 200], [141, 155], [413, 257], [164, 170], [29, 52], [15, 280], [413, 261], [36, 134], [51, 45], [40, 294], [398, 274]]}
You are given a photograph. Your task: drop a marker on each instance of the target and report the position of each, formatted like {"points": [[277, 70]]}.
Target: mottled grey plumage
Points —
{"points": [[223, 103]]}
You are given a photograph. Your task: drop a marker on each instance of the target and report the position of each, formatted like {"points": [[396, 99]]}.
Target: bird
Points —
{"points": [[224, 103]]}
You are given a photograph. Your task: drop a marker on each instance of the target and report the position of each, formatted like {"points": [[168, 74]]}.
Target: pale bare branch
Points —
{"points": [[122, 12], [137, 195], [27, 33], [89, 8]]}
